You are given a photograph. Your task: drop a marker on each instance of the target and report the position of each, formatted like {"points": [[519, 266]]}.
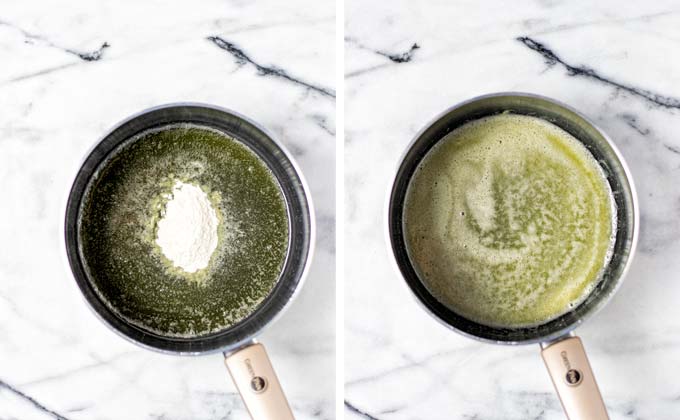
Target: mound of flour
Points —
{"points": [[187, 230]]}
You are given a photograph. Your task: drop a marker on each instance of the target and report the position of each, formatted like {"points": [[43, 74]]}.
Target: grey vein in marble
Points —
{"points": [[672, 149], [322, 122], [274, 24], [567, 27], [31, 400], [242, 58], [94, 55], [79, 369], [632, 122], [403, 57], [365, 70], [552, 59], [411, 363], [361, 413], [396, 58]]}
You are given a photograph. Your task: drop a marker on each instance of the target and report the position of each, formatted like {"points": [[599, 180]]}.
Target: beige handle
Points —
{"points": [[256, 381], [573, 378]]}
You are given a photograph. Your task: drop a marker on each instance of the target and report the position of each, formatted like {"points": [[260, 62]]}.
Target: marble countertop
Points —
{"points": [[69, 73], [617, 62]]}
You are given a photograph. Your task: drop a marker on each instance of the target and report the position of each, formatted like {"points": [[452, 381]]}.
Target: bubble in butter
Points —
{"points": [[508, 221]]}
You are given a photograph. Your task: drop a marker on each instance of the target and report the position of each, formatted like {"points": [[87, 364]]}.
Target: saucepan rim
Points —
{"points": [[391, 208], [196, 345]]}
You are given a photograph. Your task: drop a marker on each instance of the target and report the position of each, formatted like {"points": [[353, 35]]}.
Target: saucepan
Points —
{"points": [[246, 360], [562, 352]]}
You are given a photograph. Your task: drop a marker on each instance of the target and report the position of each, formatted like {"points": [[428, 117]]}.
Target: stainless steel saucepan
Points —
{"points": [[563, 353], [246, 360]]}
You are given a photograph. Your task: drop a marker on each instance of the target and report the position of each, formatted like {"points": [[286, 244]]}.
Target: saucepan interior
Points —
{"points": [[595, 141], [298, 204]]}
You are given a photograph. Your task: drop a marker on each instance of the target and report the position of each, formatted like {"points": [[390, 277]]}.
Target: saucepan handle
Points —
{"points": [[573, 378], [257, 383]]}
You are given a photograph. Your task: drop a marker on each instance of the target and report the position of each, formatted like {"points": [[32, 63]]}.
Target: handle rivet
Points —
{"points": [[573, 377], [258, 384]]}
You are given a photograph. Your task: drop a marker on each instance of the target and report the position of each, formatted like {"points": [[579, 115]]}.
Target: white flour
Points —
{"points": [[187, 231]]}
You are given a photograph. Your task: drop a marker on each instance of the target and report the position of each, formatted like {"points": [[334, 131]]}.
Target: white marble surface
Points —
{"points": [[56, 359], [400, 363]]}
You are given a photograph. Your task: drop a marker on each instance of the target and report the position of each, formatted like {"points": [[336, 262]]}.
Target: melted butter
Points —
{"points": [[508, 221], [119, 226]]}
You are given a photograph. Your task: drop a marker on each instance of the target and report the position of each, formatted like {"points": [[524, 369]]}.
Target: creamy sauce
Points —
{"points": [[508, 221]]}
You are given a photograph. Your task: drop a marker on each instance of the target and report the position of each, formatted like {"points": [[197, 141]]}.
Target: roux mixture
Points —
{"points": [[508, 221]]}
